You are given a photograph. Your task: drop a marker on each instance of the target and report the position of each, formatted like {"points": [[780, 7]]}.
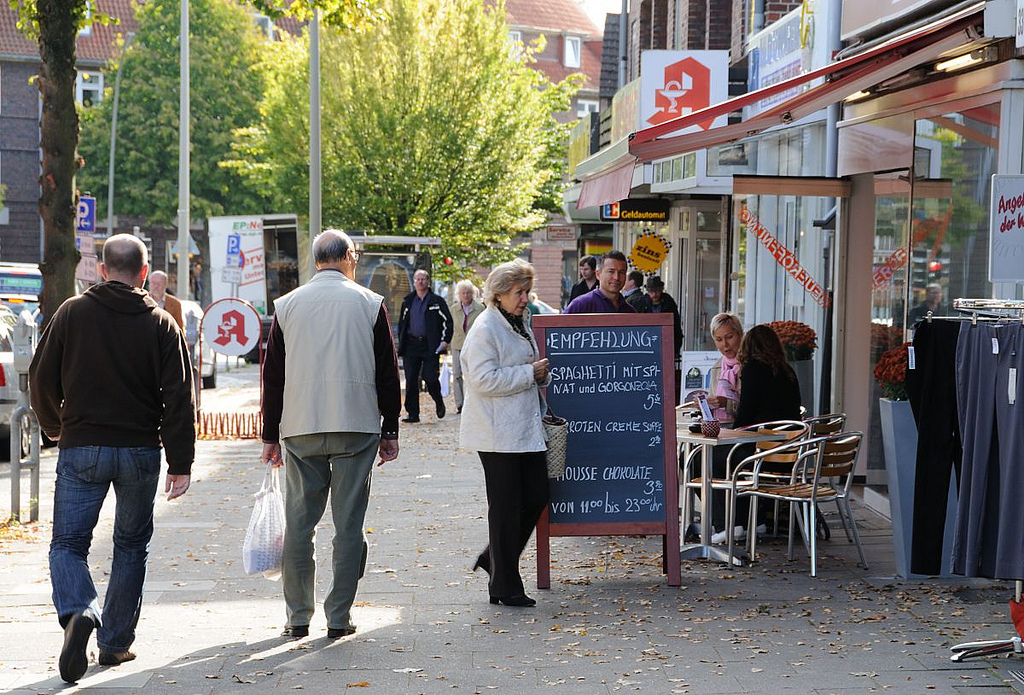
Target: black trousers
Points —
{"points": [[420, 363], [517, 491], [931, 388]]}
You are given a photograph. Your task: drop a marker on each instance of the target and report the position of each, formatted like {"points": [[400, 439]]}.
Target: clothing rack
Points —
{"points": [[975, 310], [987, 310]]}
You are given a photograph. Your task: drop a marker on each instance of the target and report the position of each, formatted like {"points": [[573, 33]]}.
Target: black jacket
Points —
{"points": [[766, 396], [112, 369], [644, 305], [581, 288], [438, 320]]}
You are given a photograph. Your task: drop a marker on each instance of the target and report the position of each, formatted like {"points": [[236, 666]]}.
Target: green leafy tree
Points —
{"points": [[54, 24], [226, 87], [432, 126]]}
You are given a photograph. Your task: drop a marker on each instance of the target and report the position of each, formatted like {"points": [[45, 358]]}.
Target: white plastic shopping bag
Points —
{"points": [[446, 380], [264, 539]]}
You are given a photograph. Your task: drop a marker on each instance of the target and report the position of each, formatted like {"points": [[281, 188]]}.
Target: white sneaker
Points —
{"points": [[739, 533]]}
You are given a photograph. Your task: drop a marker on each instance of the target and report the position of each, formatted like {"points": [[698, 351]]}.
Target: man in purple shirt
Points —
{"points": [[607, 297]]}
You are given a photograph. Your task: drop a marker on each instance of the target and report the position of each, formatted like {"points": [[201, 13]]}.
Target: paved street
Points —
{"points": [[608, 624]]}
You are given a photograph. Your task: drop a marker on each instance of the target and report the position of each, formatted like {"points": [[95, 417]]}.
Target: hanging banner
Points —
{"points": [[1006, 229], [785, 258]]}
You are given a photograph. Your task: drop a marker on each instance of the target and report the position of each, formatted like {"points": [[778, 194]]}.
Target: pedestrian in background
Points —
{"points": [[606, 297], [424, 332], [588, 275], [167, 302], [464, 312], [658, 301], [504, 373], [111, 380], [633, 289], [331, 401]]}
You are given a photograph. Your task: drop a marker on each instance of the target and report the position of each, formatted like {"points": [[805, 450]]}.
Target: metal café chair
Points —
{"points": [[822, 425], [822, 472], [792, 429]]}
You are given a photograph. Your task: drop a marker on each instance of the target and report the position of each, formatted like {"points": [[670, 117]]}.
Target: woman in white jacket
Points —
{"points": [[503, 371]]}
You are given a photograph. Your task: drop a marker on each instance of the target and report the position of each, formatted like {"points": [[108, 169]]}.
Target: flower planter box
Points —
{"points": [[899, 440]]}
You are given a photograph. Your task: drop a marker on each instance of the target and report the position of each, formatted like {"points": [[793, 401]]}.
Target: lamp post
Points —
{"points": [[183, 158], [315, 221], [113, 136]]}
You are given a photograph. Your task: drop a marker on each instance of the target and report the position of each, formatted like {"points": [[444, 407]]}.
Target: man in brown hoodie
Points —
{"points": [[110, 381]]}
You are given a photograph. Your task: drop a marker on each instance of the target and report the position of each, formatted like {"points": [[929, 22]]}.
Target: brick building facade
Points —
{"points": [[20, 224]]}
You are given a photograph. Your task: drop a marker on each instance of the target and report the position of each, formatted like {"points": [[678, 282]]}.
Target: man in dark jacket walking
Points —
{"points": [[110, 381], [658, 301], [424, 331]]}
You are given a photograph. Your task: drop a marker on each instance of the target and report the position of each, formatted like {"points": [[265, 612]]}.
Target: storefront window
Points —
{"points": [[888, 294], [954, 160], [780, 260]]}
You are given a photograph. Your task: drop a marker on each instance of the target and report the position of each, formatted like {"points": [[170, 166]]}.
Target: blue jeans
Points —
{"points": [[84, 475]]}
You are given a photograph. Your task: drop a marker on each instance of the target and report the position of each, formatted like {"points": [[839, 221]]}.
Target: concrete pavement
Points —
{"points": [[608, 624]]}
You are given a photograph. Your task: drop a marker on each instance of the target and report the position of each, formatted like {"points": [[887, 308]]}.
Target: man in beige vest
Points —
{"points": [[331, 401]]}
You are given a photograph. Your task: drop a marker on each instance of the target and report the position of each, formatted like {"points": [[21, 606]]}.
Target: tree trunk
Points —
{"points": [[58, 29]]}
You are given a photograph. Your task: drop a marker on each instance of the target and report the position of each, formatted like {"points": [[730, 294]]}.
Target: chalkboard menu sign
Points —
{"points": [[612, 379]]}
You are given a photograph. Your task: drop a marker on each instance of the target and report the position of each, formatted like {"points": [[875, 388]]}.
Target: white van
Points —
{"points": [[21, 286]]}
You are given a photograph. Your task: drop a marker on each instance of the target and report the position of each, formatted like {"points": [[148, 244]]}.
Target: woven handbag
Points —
{"points": [[556, 431]]}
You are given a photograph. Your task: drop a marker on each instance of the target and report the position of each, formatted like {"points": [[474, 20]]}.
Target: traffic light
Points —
{"points": [[447, 260]]}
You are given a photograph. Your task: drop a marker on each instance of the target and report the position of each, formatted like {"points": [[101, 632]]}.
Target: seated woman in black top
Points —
{"points": [[770, 388], [770, 392]]}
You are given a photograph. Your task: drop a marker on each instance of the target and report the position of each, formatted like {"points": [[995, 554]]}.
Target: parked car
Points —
{"points": [[192, 313], [8, 384], [21, 285]]}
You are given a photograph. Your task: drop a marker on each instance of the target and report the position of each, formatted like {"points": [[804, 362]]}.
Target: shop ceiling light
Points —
{"points": [[857, 96], [959, 63]]}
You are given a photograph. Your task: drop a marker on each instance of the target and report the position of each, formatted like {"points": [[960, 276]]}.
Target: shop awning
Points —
{"points": [[842, 78], [608, 187]]}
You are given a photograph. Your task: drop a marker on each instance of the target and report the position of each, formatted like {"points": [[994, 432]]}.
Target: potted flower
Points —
{"points": [[899, 442], [799, 340], [891, 372]]}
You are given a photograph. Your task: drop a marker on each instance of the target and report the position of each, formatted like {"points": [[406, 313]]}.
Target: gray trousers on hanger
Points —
{"points": [[989, 538]]}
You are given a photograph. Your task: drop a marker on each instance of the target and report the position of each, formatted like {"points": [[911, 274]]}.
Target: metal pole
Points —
{"points": [[315, 222], [183, 159], [113, 137]]}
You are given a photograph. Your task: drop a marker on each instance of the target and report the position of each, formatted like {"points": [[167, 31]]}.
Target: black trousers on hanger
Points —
{"points": [[931, 387]]}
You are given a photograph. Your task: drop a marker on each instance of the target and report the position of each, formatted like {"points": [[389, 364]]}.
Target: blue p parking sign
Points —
{"points": [[85, 217]]}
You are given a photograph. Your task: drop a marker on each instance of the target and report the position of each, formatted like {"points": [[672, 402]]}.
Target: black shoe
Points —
{"points": [[115, 658], [458, 410], [74, 662], [339, 632], [410, 418], [295, 631], [440, 410], [482, 563], [521, 601]]}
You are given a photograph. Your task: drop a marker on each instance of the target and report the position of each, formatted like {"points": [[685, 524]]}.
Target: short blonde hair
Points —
{"points": [[505, 277], [730, 320]]}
